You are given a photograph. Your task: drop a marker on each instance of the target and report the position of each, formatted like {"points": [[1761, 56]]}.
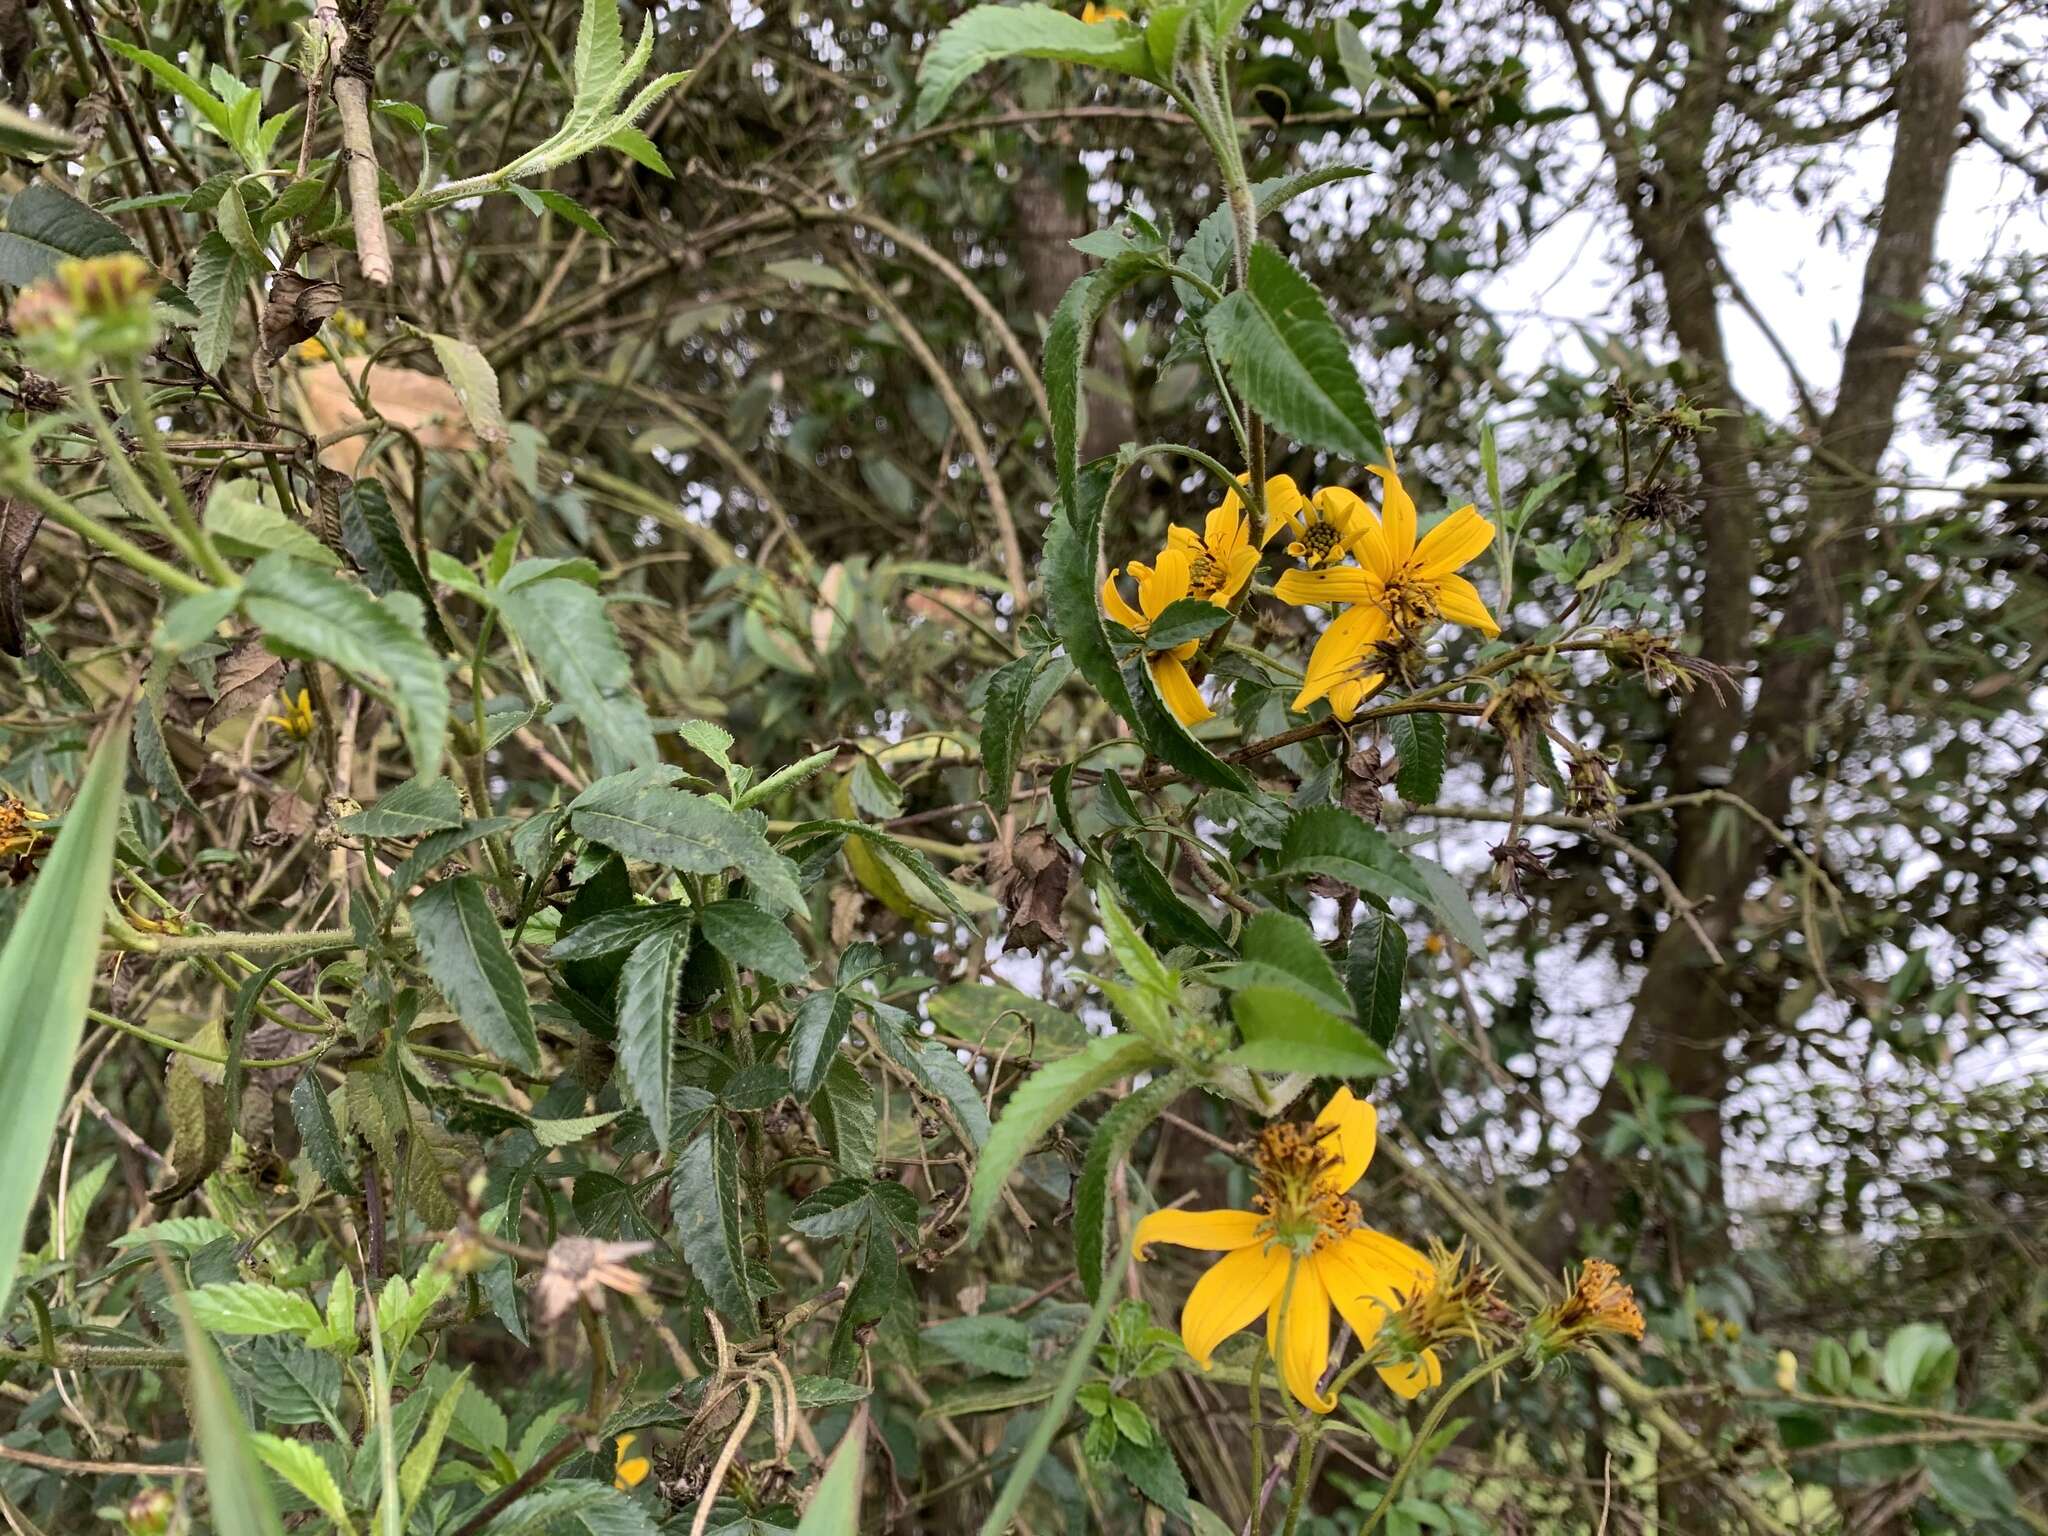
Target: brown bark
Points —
{"points": [[1046, 227], [1687, 1016]]}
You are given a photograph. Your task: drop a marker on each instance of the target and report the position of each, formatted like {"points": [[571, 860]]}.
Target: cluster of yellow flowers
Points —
{"points": [[1384, 585]]}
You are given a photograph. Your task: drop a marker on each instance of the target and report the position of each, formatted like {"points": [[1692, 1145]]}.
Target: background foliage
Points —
{"points": [[682, 822]]}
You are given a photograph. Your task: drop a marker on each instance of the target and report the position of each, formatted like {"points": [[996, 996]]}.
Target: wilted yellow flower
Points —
{"points": [[583, 1269], [1303, 1251], [628, 1471], [1415, 584], [1456, 1300], [297, 721], [19, 832], [1597, 1302], [95, 305], [1160, 586]]}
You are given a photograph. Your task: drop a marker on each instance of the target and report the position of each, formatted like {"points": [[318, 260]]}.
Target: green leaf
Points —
{"points": [[421, 1460], [648, 989], [1191, 618], [237, 1494], [475, 382], [1291, 362], [1039, 1103], [46, 977], [1017, 694], [847, 1118], [220, 277], [1419, 738], [612, 933], [243, 1307], [784, 778], [465, 953], [671, 827], [1115, 1134], [540, 200], [1919, 1361], [988, 33], [704, 1196], [573, 1505], [300, 1465], [370, 532], [211, 109], [1373, 972], [1138, 959], [379, 641], [564, 625], [1142, 882], [318, 1133], [814, 1035], [896, 850], [46, 225], [32, 137], [1282, 1035], [753, 940], [184, 1233], [247, 527], [835, 1507], [1329, 840], [1000, 1346], [414, 808], [572, 1129], [1153, 1471], [1453, 908], [1280, 950]]}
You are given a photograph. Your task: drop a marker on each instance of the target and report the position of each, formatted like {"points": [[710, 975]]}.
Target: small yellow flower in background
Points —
{"points": [[628, 1471], [1304, 1251], [1092, 13], [1596, 1302], [297, 721], [1160, 586], [1414, 584], [1788, 1371], [311, 350]]}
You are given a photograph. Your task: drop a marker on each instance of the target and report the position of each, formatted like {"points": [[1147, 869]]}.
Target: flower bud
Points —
{"points": [[1596, 1302]]}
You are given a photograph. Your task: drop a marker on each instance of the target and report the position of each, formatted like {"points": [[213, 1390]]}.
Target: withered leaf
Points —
{"points": [[18, 524], [295, 309], [199, 1131], [242, 679], [1031, 879]]}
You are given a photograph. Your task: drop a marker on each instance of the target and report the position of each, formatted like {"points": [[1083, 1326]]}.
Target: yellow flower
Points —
{"points": [[1333, 519], [1092, 13], [297, 721], [1160, 586], [629, 1471], [1413, 584], [1597, 1301], [1301, 1253], [311, 350], [1341, 668], [1788, 1371]]}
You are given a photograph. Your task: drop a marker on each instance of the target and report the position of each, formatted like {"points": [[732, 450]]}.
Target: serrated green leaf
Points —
{"points": [[1282, 1034], [412, 809], [211, 109], [475, 382], [1292, 364], [1115, 1134], [814, 1034], [1373, 972], [988, 33], [704, 1197], [678, 830], [370, 533], [243, 1307], [990, 1342], [648, 989], [47, 225], [220, 278], [1329, 840], [380, 641], [300, 1465], [753, 940], [46, 977], [1039, 1103], [465, 953], [1152, 897], [564, 625], [1280, 950], [834, 1509], [1419, 738], [318, 1133]]}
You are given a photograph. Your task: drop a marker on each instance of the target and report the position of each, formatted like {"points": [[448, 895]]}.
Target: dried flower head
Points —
{"points": [[1458, 1299], [1663, 664], [1591, 791], [1596, 1302], [1515, 864], [583, 1269]]}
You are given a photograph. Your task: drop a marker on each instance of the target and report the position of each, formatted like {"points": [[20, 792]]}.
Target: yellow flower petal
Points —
{"points": [[1347, 696], [1284, 504], [1453, 542], [1368, 1274], [1238, 1288], [1224, 532], [1416, 1376], [1298, 1334], [1214, 1230], [1113, 603], [1165, 584], [1354, 1130], [1332, 587], [1370, 548], [1397, 514], [1340, 653], [1459, 601], [1236, 572], [1179, 690]]}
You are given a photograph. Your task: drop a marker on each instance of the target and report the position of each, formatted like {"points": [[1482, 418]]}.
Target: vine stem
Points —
{"points": [[1430, 1424]]}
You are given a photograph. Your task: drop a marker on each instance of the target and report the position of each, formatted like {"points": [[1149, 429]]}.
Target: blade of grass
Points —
{"points": [[237, 1487], [46, 974]]}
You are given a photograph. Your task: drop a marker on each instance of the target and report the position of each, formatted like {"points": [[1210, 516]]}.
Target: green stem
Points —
{"points": [[1431, 1422], [1304, 1474], [120, 546], [200, 541]]}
